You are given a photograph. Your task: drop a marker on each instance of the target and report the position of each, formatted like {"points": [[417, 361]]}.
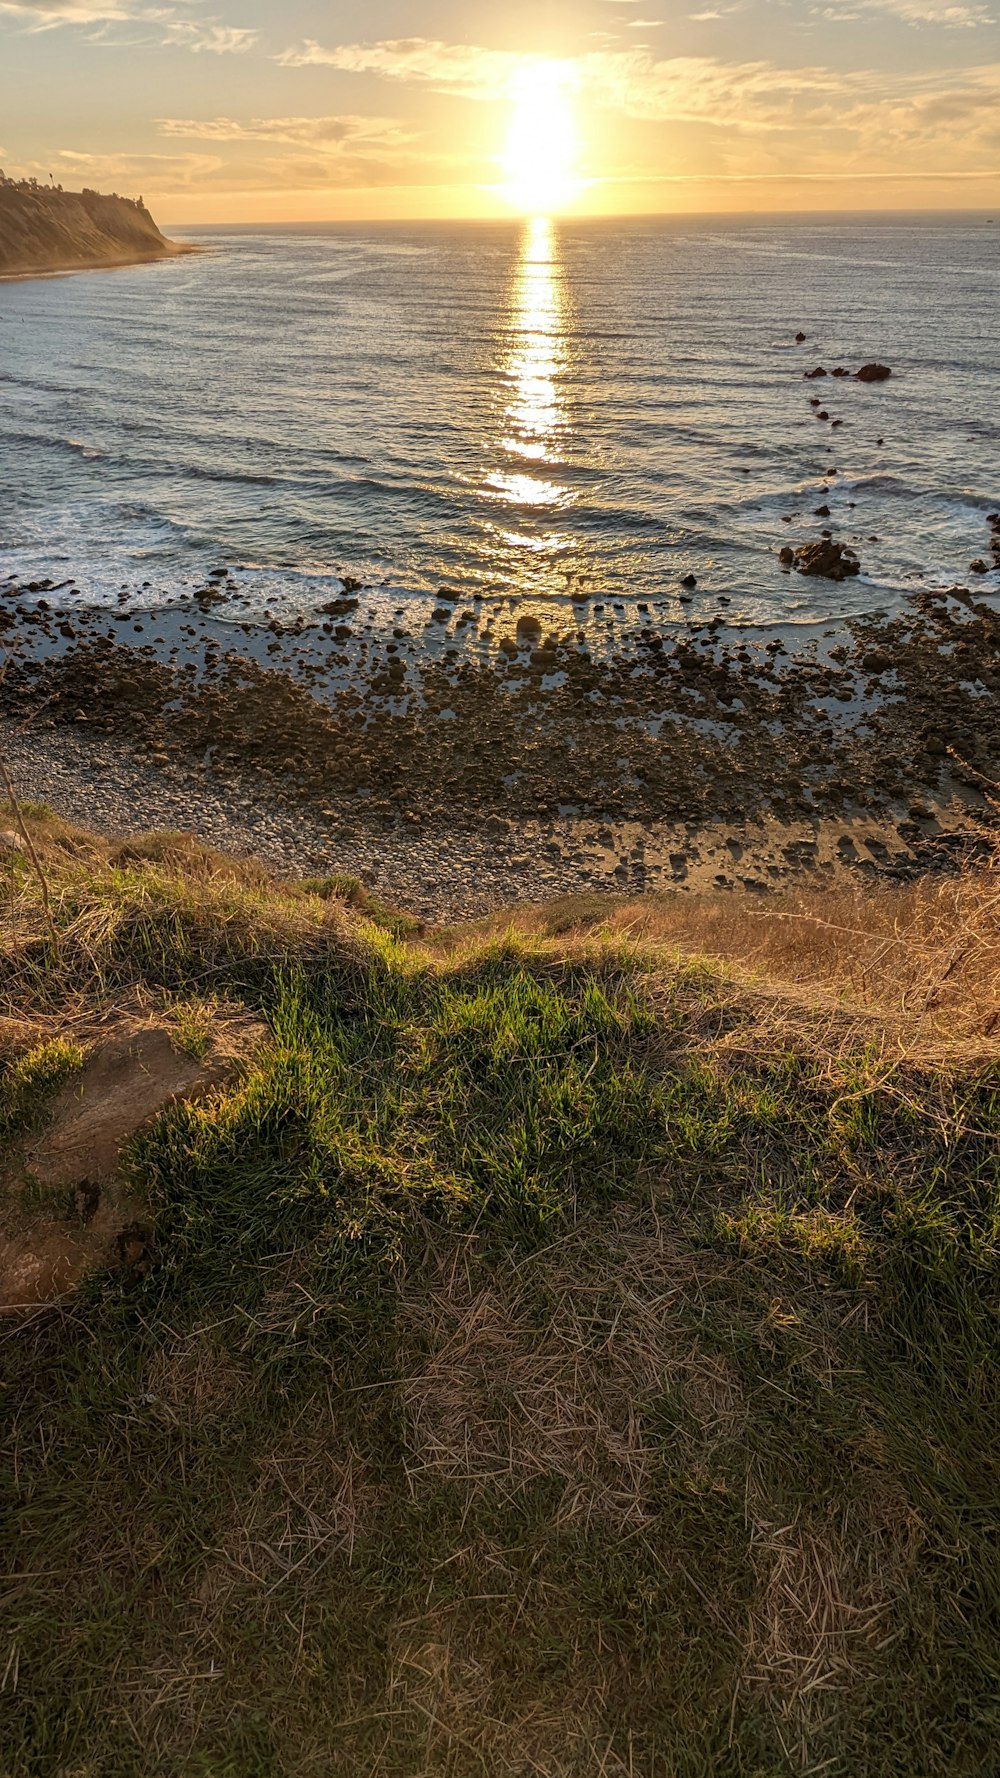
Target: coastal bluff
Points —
{"points": [[46, 229]]}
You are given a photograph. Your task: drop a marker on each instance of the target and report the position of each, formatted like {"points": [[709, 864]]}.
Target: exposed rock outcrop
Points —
{"points": [[833, 561]]}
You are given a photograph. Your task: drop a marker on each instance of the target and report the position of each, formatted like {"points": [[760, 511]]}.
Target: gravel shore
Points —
{"points": [[457, 872], [454, 786]]}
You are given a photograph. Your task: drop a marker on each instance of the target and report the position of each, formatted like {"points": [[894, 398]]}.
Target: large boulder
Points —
{"points": [[874, 373], [830, 560]]}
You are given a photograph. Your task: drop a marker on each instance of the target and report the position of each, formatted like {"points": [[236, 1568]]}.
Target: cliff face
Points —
{"points": [[44, 230]]}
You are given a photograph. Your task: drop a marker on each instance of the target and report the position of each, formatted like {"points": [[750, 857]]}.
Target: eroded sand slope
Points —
{"points": [[44, 230]]}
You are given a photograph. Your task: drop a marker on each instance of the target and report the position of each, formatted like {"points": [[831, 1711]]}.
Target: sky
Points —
{"points": [[241, 110]]}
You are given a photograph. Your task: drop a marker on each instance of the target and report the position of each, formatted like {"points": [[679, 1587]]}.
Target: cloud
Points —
{"points": [[746, 95], [306, 167], [324, 151], [330, 133], [209, 36], [807, 120], [129, 172], [49, 13], [162, 25], [823, 106], [458, 69], [703, 89], [963, 15]]}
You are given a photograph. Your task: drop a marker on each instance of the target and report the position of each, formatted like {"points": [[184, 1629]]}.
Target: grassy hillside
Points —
{"points": [[42, 229], [557, 1350]]}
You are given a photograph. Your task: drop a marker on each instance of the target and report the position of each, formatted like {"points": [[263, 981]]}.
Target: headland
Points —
{"points": [[45, 229]]}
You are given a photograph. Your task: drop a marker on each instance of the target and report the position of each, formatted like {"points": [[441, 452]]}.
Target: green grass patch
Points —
{"points": [[524, 1381], [28, 1080]]}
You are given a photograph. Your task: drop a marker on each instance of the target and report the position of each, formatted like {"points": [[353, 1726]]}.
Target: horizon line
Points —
{"points": [[515, 218]]}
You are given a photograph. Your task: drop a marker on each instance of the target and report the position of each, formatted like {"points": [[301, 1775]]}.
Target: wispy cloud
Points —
{"points": [[128, 172], [951, 14], [331, 151], [334, 133], [46, 14], [459, 69], [799, 117], [164, 25], [307, 166], [745, 95], [208, 36]]}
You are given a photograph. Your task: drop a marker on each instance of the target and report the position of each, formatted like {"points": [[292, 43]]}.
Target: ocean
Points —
{"points": [[570, 413]]}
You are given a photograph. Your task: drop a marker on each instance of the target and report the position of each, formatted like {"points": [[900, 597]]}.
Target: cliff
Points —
{"points": [[43, 229]]}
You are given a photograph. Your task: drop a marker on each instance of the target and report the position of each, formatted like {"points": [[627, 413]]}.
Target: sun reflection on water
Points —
{"points": [[534, 417], [533, 425]]}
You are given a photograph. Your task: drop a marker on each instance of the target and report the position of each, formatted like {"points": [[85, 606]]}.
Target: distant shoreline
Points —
{"points": [[117, 264], [45, 230]]}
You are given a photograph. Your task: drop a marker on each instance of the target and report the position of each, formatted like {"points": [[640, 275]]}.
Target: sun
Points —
{"points": [[540, 154]]}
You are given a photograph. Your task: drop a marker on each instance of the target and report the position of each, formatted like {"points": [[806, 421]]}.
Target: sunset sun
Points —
{"points": [[540, 153]]}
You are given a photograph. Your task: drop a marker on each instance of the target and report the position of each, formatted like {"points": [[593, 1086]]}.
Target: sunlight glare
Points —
{"points": [[535, 422], [534, 414], [540, 155]]}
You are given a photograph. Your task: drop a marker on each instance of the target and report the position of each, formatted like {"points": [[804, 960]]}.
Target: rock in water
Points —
{"points": [[874, 373], [832, 561]]}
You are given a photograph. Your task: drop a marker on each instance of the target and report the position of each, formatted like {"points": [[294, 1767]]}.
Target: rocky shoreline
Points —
{"points": [[453, 871], [455, 783]]}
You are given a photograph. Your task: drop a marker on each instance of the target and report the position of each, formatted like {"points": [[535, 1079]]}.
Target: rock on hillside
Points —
{"points": [[43, 229]]}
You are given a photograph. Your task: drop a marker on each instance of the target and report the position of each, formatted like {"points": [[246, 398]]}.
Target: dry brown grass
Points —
{"points": [[140, 924], [547, 1375], [925, 954], [824, 1609]]}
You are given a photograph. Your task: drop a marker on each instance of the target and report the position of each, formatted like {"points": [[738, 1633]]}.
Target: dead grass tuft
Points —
{"points": [[823, 1613], [194, 1381], [310, 1503], [546, 1375], [927, 954], [185, 854]]}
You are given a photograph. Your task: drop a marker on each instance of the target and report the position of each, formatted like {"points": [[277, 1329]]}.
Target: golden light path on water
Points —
{"points": [[533, 413], [534, 424]]}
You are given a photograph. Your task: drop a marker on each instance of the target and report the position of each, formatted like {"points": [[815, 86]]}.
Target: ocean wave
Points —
{"points": [[269, 415], [92, 452], [254, 478]]}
